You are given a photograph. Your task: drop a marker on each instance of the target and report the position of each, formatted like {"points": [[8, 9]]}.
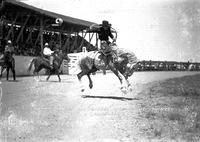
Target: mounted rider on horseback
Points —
{"points": [[48, 54], [8, 52], [104, 32], [9, 61]]}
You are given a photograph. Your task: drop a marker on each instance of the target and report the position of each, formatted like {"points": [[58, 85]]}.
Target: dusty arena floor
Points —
{"points": [[163, 106]]}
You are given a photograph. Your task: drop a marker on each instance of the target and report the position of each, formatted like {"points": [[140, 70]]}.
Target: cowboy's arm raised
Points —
{"points": [[110, 34], [93, 28]]}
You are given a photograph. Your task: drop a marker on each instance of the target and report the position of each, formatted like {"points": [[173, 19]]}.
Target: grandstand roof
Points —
{"points": [[15, 6]]}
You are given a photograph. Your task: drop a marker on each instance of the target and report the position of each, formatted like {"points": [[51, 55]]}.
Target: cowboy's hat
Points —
{"points": [[106, 23]]}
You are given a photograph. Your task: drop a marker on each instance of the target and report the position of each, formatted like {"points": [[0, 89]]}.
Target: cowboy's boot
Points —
{"points": [[115, 59]]}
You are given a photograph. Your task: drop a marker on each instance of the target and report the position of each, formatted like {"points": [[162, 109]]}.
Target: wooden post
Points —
{"points": [[41, 33], [66, 42], [97, 41], [22, 28], [30, 34], [11, 28], [82, 40], [90, 39], [60, 36], [60, 39], [2, 4], [75, 40], [38, 36]]}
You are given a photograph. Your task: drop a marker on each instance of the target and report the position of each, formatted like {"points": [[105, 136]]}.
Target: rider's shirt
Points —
{"points": [[105, 33], [47, 51]]}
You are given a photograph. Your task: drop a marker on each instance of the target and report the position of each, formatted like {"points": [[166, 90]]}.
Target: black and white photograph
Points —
{"points": [[99, 70]]}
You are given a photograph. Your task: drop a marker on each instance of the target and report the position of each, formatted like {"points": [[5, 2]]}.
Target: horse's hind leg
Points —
{"points": [[14, 76], [93, 70]]}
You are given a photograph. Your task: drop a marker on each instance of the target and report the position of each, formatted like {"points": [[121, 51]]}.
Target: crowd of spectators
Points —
{"points": [[32, 48]]}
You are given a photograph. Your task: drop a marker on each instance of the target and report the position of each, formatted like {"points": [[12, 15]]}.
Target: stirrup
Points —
{"points": [[115, 59]]}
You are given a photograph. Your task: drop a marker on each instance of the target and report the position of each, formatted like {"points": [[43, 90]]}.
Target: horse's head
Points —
{"points": [[66, 57], [130, 68], [63, 55]]}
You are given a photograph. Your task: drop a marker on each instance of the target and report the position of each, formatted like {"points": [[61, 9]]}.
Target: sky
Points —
{"points": [[152, 29]]}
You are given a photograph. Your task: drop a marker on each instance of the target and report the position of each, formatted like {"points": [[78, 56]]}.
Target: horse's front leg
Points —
{"points": [[90, 81], [49, 75], [123, 81], [129, 84], [80, 75], [2, 69], [7, 70], [34, 75], [59, 77], [58, 74]]}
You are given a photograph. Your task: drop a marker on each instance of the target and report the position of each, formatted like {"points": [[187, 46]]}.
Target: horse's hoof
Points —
{"points": [[130, 89], [90, 86], [124, 90]]}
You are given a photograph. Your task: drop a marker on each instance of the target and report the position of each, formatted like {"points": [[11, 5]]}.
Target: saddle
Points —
{"points": [[46, 58], [107, 51]]}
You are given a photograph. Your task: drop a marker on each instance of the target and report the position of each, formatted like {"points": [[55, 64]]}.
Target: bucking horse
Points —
{"points": [[123, 67], [43, 63]]}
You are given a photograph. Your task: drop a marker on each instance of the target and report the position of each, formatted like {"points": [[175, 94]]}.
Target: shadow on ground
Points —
{"points": [[110, 97]]}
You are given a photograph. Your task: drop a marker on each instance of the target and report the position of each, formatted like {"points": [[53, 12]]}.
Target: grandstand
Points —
{"points": [[29, 28]]}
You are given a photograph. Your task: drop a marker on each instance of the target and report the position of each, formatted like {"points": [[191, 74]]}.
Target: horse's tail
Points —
{"points": [[31, 64]]}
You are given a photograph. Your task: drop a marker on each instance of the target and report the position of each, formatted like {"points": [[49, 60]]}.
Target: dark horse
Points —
{"points": [[41, 62], [8, 62], [96, 60]]}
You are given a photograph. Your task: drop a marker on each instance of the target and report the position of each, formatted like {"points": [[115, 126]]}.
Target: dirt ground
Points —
{"points": [[163, 106]]}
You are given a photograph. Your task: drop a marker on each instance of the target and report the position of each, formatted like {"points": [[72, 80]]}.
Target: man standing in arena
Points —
{"points": [[9, 49], [48, 52]]}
